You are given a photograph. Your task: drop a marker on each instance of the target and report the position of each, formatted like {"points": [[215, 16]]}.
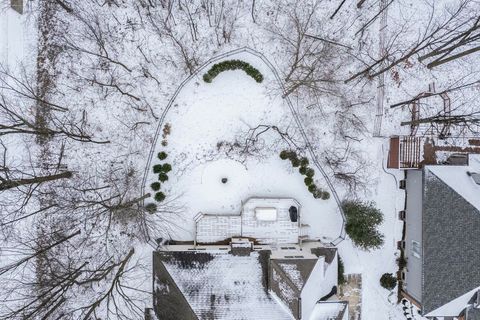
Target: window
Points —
{"points": [[416, 250]]}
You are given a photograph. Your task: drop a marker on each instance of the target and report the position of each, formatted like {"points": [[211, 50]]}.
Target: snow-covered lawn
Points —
{"points": [[205, 114]]}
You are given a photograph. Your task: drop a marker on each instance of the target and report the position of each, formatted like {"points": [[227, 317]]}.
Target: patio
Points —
{"points": [[211, 228]]}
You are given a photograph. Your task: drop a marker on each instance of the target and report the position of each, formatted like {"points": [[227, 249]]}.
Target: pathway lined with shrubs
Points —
{"points": [[304, 169], [162, 170]]}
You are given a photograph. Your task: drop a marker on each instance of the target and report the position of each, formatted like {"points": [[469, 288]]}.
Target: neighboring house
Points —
{"points": [[442, 239], [245, 281]]}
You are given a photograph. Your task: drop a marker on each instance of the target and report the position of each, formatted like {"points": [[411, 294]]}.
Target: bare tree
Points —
{"points": [[444, 39], [310, 56]]}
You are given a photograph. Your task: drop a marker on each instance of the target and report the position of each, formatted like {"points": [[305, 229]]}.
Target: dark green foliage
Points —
{"points": [[341, 271], [363, 219], [167, 167], [303, 170], [295, 162], [151, 207], [159, 196], [218, 68], [155, 186], [388, 281], [304, 162], [162, 155], [317, 193], [325, 195], [310, 172], [157, 168], [285, 154], [312, 188], [162, 177], [308, 181]]}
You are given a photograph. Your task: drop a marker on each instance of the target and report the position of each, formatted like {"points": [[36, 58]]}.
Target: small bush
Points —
{"points": [[303, 170], [308, 181], [312, 188], [218, 68], [310, 172], [151, 207], [317, 194], [167, 167], [363, 219], [295, 162], [304, 162], [388, 281], [162, 177], [285, 154], [159, 196], [162, 155], [341, 271], [157, 168], [325, 195], [155, 186]]}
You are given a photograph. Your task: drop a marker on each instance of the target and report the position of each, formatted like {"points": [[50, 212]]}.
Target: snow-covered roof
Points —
{"points": [[224, 286], [450, 224], [223, 283], [456, 177]]}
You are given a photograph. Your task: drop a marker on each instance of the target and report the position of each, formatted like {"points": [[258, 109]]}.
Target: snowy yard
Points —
{"points": [[203, 116], [84, 86]]}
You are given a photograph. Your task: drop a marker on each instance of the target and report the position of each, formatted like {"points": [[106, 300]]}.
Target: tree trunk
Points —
{"points": [[8, 184]]}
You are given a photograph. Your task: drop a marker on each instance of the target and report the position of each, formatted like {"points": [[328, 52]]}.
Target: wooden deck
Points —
{"points": [[405, 152]]}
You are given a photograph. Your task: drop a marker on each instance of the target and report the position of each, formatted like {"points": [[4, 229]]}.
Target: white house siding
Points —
{"points": [[319, 284]]}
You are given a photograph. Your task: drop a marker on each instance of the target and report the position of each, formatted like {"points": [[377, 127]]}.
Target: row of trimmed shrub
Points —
{"points": [[305, 170], [162, 170], [218, 68]]}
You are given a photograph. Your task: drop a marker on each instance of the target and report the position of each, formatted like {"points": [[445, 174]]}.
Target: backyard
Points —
{"points": [[233, 129]]}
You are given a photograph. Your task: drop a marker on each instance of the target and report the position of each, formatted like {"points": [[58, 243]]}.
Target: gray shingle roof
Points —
{"points": [[287, 278], [451, 244], [217, 286]]}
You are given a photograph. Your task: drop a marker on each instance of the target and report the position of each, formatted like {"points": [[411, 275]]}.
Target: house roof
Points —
{"points": [[451, 240], [287, 278], [219, 285], [295, 271]]}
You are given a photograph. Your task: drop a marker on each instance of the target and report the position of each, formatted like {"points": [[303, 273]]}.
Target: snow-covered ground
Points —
{"points": [[120, 99], [204, 115]]}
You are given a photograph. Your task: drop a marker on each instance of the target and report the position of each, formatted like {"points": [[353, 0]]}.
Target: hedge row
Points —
{"points": [[218, 68], [305, 170], [162, 170]]}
